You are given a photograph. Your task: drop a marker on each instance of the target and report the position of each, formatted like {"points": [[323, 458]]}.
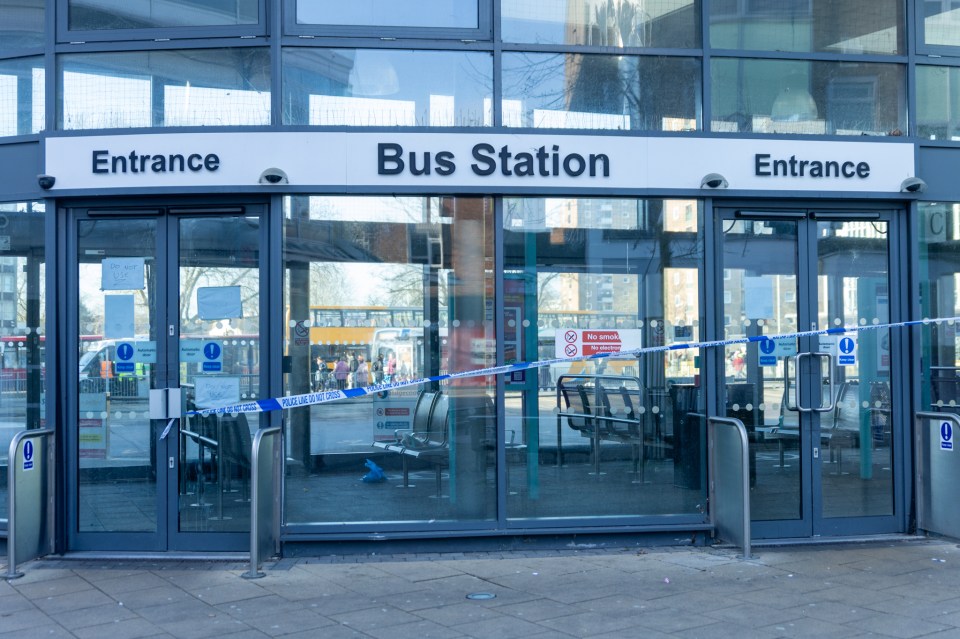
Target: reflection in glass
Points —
{"points": [[22, 322], [547, 90], [941, 23], [810, 98], [606, 23], [203, 87], [938, 100], [760, 266], [117, 441], [21, 24], [461, 14], [93, 15], [219, 304], [387, 290], [837, 26], [21, 96], [854, 289], [366, 87], [579, 271], [939, 226]]}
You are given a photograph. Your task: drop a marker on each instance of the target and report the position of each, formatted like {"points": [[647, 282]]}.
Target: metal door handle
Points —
{"points": [[824, 408]]}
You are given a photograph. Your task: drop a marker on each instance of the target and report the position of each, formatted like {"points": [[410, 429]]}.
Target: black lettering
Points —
{"points": [[143, 163], [793, 166], [211, 162], [568, 162], [556, 160], [413, 164], [392, 153], [599, 157], [835, 166], [779, 164], [118, 160], [761, 165], [803, 163], [159, 164], [816, 169], [542, 161], [100, 162], [489, 165], [173, 161], [524, 164], [445, 165], [848, 171], [504, 157], [195, 162], [133, 162], [863, 170]]}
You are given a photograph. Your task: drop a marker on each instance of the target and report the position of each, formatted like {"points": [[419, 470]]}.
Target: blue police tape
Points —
{"points": [[323, 397]]}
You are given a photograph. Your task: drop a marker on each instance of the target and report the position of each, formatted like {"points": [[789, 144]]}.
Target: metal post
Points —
{"points": [[257, 497], [43, 502], [743, 476]]}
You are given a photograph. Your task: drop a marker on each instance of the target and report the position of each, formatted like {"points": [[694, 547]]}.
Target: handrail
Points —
{"points": [[256, 560], [745, 479], [41, 500], [921, 470]]}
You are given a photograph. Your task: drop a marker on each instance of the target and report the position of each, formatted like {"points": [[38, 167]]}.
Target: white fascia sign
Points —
{"points": [[475, 161]]}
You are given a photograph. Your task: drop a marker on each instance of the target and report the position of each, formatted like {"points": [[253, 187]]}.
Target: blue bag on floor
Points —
{"points": [[375, 475]]}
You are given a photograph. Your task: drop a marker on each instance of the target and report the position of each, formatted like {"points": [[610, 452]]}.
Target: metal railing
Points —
{"points": [[266, 463], [937, 473], [729, 465], [30, 481]]}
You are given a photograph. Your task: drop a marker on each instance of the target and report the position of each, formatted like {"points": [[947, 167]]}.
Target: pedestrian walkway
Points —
{"points": [[891, 588]]}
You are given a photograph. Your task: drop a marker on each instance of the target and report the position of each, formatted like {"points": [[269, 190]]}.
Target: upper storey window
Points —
{"points": [[102, 19], [21, 25], [390, 18], [940, 24], [602, 23], [808, 26]]}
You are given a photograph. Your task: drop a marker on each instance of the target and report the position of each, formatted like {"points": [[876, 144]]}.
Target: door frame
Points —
{"points": [[812, 523], [167, 211]]}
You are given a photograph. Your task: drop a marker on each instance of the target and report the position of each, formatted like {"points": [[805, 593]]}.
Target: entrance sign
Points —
{"points": [[473, 162], [575, 342]]}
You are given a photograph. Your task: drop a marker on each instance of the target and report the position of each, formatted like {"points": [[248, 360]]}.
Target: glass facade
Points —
{"points": [[387, 87], [378, 284], [23, 318]]}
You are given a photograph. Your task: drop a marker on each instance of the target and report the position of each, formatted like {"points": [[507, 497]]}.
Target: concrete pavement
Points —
{"points": [[885, 588]]}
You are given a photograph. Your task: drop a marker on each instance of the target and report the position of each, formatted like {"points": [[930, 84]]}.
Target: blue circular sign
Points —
{"points": [[847, 345], [211, 350], [768, 346], [946, 432], [124, 351], [27, 450]]}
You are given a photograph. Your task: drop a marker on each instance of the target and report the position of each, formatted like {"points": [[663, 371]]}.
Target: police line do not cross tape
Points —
{"points": [[323, 397]]}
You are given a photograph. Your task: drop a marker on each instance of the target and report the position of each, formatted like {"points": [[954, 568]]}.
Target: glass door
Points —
{"points": [[166, 309], [819, 410]]}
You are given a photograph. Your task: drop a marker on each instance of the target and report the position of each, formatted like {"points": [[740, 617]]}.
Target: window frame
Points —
{"points": [[483, 32], [920, 34], [66, 35]]}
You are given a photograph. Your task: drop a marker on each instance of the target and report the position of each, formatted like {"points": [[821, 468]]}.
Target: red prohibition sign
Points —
{"points": [[570, 336], [570, 350]]}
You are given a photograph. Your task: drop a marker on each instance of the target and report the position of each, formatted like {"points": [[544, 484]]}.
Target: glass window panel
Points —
{"points": [[838, 26], [22, 322], [941, 22], [94, 15], [569, 91], [203, 87], [938, 102], [390, 289], [365, 87], [625, 265], [617, 23], [21, 96], [21, 24], [811, 98], [462, 14]]}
